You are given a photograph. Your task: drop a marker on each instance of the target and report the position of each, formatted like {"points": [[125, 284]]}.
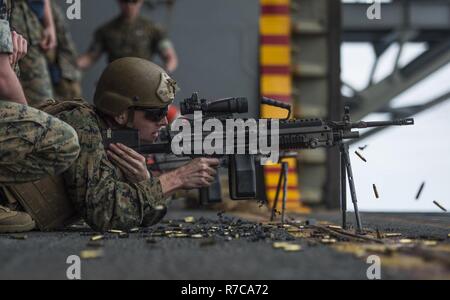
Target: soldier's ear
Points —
{"points": [[122, 119]]}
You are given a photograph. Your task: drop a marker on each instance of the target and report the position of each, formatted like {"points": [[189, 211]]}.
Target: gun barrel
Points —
{"points": [[401, 122]]}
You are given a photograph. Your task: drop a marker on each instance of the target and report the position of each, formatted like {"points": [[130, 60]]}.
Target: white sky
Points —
{"points": [[400, 159]]}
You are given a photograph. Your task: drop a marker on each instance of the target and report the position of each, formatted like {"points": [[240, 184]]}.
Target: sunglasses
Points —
{"points": [[154, 114]]}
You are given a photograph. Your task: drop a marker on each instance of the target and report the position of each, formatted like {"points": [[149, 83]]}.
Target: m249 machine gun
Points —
{"points": [[292, 135]]}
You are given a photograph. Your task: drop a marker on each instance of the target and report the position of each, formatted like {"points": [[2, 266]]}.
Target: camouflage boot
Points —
{"points": [[15, 221]]}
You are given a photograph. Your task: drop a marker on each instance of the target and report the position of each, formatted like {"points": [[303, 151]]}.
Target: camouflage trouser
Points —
{"points": [[33, 144], [34, 74], [35, 78]]}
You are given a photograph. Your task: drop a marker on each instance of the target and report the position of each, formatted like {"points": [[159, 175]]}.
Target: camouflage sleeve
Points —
{"points": [[98, 189], [160, 40], [164, 45], [33, 144], [6, 46]]}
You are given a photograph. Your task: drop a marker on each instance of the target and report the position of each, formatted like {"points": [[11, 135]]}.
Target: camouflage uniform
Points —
{"points": [[33, 144], [63, 61], [120, 38], [98, 189], [34, 74]]}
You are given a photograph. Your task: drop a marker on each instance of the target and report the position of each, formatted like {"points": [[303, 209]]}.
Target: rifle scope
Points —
{"points": [[223, 106]]}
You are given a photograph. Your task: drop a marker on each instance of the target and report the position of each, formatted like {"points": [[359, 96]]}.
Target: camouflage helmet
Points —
{"points": [[133, 83]]}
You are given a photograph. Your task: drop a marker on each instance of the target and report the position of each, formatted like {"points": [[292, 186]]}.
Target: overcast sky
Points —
{"points": [[400, 159]]}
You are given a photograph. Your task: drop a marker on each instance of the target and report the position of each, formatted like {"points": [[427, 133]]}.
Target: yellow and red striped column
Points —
{"points": [[276, 83]]}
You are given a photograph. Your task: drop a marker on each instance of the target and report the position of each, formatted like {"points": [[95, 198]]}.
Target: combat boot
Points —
{"points": [[15, 221]]}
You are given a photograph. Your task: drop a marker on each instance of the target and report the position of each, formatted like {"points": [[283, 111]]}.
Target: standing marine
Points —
{"points": [[33, 144], [130, 35], [34, 20]]}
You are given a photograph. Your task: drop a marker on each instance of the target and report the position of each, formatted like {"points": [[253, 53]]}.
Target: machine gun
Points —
{"points": [[292, 135]]}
